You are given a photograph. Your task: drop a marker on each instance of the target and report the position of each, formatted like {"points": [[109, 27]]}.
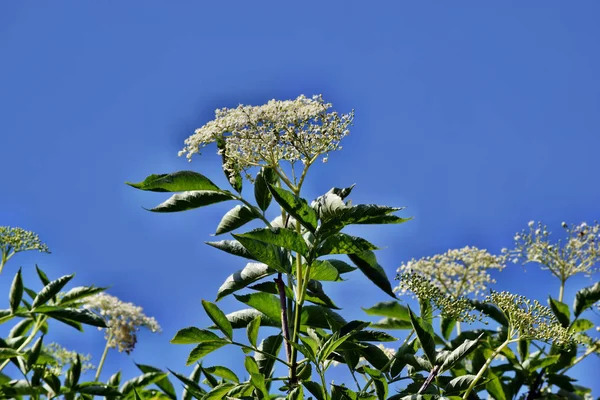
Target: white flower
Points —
{"points": [[531, 223]]}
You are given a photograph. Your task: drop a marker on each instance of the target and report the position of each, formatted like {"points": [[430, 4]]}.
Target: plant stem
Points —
{"points": [[271, 356], [284, 317], [485, 367], [432, 375], [562, 290], [31, 336], [102, 359]]}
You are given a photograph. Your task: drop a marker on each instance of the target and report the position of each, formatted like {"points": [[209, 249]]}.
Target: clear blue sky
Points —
{"points": [[477, 116]]}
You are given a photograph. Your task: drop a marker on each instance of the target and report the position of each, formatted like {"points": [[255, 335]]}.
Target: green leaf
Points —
{"points": [[585, 298], [164, 384], [193, 335], [191, 388], [281, 237], [217, 316], [314, 388], [533, 364], [342, 243], [241, 319], [141, 382], [447, 326], [266, 253], [342, 266], [267, 176], [320, 317], [316, 295], [180, 181], [322, 270], [424, 333], [236, 217], [381, 386], [257, 380], [16, 292], [373, 336], [222, 372], [232, 247], [266, 303], [251, 273], [361, 214], [191, 200], [79, 315], [459, 384], [203, 349], [296, 207], [95, 389], [581, 325], [115, 379], [218, 392], [296, 393], [270, 345], [466, 348], [6, 352], [50, 290], [392, 323], [494, 386], [252, 330], [42, 275], [392, 309], [561, 311], [342, 393], [491, 311], [79, 293], [375, 356], [34, 354], [367, 263]]}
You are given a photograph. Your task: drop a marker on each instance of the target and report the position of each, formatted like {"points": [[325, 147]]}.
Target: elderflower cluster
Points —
{"points": [[18, 239], [452, 307], [64, 357], [458, 272], [291, 130], [579, 252], [530, 319], [123, 320]]}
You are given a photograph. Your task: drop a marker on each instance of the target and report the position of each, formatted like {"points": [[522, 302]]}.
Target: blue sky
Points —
{"points": [[477, 116]]}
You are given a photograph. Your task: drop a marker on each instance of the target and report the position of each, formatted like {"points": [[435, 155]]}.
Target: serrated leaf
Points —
{"points": [[296, 207], [341, 243], [191, 200], [16, 292], [561, 311], [50, 290], [42, 275], [252, 330], [251, 273], [342, 266], [266, 303], [218, 392], [423, 332], [270, 345], [367, 263], [281, 237], [391, 323], [78, 315], [447, 326], [494, 387], [218, 317], [222, 372], [322, 270], [241, 319], [34, 354], [459, 384], [236, 217], [392, 309], [180, 181], [193, 335], [585, 298], [232, 247], [79, 293], [96, 389], [373, 336], [141, 381], [381, 386], [320, 317], [375, 356], [534, 364], [266, 176], [314, 388], [460, 353], [581, 325], [203, 349], [191, 387], [266, 253]]}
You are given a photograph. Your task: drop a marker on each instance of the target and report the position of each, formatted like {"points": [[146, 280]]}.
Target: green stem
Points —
{"points": [[485, 367], [5, 258], [104, 354], [31, 336]]}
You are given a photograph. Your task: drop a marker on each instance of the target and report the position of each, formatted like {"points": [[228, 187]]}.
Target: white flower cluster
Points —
{"points": [[457, 272], [64, 357], [123, 320], [291, 130], [579, 252]]}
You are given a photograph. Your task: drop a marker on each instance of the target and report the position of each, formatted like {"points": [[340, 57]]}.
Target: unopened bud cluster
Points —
{"points": [[123, 320], [579, 252], [291, 130], [530, 319], [457, 272], [18, 239], [456, 308]]}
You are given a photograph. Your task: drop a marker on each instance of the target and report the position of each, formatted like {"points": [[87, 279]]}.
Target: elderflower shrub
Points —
{"points": [[64, 357], [578, 252], [123, 320], [458, 272], [451, 307], [290, 130], [14, 240], [530, 320]]}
